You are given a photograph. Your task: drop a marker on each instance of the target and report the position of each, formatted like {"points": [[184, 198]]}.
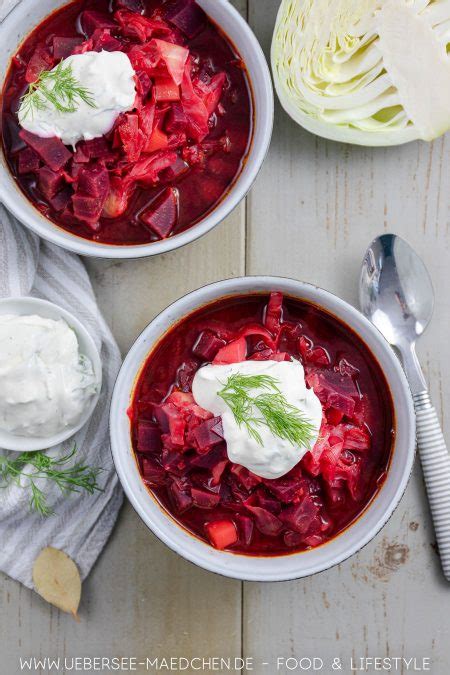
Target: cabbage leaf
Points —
{"points": [[370, 72]]}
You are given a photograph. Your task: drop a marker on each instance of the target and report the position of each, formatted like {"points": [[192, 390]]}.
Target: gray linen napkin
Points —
{"points": [[82, 523]]}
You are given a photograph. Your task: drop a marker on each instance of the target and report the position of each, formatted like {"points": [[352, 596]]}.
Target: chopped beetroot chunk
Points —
{"points": [[65, 46], [204, 499], [131, 5], [86, 208], [186, 15], [299, 517], [51, 150], [40, 60], [29, 161], [265, 521], [50, 182], [233, 352], [161, 216], [94, 181], [208, 434], [91, 20], [149, 437], [152, 472], [181, 495], [176, 119], [102, 40], [61, 200], [221, 533], [207, 345]]}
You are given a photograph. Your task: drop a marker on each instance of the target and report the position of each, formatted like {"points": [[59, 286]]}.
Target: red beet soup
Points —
{"points": [[182, 455], [169, 160]]}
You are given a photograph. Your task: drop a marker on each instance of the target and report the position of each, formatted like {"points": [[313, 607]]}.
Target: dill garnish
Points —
{"points": [[75, 478], [58, 87], [283, 419]]}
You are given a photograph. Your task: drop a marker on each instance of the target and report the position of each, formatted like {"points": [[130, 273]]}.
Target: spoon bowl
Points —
{"points": [[396, 292]]}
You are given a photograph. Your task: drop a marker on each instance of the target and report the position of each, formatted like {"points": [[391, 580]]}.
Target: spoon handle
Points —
{"points": [[435, 461]]}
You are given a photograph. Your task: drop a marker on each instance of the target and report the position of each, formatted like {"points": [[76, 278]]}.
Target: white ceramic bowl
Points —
{"points": [[239, 566], [87, 346], [18, 24]]}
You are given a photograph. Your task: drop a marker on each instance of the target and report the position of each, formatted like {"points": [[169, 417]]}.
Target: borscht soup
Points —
{"points": [[262, 424], [126, 121]]}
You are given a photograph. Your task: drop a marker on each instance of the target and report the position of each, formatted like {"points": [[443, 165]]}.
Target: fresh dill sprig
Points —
{"points": [[75, 478], [283, 419], [58, 87]]}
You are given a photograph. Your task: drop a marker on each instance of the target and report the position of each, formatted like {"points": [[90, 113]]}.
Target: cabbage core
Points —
{"points": [[372, 72]]}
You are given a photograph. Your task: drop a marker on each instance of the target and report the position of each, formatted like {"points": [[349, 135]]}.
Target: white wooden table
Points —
{"points": [[314, 209]]}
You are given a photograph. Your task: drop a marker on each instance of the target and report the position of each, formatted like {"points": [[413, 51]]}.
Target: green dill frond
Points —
{"points": [[283, 419], [59, 87], [75, 478]]}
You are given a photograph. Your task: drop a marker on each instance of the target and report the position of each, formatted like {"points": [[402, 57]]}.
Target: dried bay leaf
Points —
{"points": [[57, 580]]}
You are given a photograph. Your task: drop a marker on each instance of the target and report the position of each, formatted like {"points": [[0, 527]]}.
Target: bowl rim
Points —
{"points": [[263, 119], [129, 374], [84, 337]]}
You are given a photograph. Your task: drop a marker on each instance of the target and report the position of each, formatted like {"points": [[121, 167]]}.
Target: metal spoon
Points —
{"points": [[397, 295]]}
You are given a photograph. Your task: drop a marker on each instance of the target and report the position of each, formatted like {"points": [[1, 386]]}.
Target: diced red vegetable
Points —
{"points": [[102, 40], [51, 150], [65, 46], [161, 216], [246, 527], [157, 141], [181, 495], [233, 352], [61, 200], [300, 517], [186, 15], [91, 20], [149, 437], [40, 60], [207, 345], [50, 182], [29, 161], [265, 521], [176, 119], [166, 90], [208, 434], [204, 499], [152, 472], [131, 5], [221, 533]]}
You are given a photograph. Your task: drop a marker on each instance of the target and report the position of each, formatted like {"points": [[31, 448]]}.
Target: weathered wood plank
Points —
{"points": [[314, 210]]}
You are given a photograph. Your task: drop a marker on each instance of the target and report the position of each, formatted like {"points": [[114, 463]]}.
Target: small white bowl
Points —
{"points": [[274, 568], [27, 15], [29, 306]]}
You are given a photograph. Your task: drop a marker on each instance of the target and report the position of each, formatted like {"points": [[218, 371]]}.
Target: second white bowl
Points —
{"points": [[274, 568], [29, 306], [21, 21]]}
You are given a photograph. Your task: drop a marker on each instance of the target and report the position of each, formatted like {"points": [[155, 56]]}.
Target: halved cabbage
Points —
{"points": [[371, 72]]}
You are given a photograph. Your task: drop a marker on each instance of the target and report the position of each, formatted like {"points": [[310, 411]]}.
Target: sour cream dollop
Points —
{"points": [[46, 384], [109, 79], [276, 456]]}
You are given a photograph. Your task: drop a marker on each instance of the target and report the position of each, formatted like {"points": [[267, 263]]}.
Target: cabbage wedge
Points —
{"points": [[370, 72]]}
